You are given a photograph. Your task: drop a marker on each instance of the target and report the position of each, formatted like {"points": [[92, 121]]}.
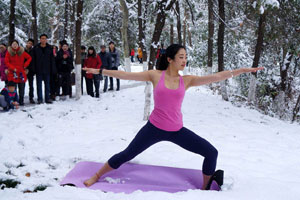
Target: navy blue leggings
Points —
{"points": [[185, 138]]}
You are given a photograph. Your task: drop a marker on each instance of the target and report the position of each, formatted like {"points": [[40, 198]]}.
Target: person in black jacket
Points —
{"points": [[115, 57], [44, 66], [106, 64], [64, 68], [30, 70]]}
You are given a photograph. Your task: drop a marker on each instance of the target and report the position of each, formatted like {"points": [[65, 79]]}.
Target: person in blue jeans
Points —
{"points": [[44, 66], [106, 64]]}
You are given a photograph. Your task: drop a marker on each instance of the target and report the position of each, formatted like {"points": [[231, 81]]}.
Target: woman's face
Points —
{"points": [[180, 60], [14, 45], [91, 51]]}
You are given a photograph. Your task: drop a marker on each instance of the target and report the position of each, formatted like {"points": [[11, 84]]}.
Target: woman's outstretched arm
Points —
{"points": [[137, 76], [217, 77]]}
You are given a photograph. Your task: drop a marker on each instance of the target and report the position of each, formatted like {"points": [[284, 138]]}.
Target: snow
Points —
{"points": [[260, 154]]}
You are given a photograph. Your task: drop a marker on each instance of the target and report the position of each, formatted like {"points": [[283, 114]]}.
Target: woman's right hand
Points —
{"points": [[91, 70]]}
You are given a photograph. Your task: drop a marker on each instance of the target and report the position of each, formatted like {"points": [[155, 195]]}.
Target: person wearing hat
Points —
{"points": [[9, 97], [106, 64], [17, 60], [115, 58]]}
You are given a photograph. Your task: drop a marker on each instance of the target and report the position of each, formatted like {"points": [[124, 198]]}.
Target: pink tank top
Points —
{"points": [[167, 106]]}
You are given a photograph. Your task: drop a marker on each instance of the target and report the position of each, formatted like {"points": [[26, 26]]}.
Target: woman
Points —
{"points": [[92, 61], [165, 122], [17, 60], [3, 67], [64, 67]]}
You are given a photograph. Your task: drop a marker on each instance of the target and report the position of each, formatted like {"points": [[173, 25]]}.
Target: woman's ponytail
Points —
{"points": [[171, 51]]}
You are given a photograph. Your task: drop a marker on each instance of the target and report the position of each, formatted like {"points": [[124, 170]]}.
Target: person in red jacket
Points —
{"points": [[132, 55], [92, 61], [16, 59]]}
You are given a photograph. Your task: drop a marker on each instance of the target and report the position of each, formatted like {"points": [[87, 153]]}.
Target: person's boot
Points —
{"points": [[97, 95], [21, 101], [49, 101], [32, 101], [110, 89], [218, 176]]}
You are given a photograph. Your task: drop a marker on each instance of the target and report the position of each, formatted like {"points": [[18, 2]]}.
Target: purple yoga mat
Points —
{"points": [[131, 177]]}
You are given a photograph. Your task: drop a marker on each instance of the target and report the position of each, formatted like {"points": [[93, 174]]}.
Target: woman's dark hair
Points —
{"points": [[94, 51], [3, 44], [14, 41], [30, 40], [170, 52]]}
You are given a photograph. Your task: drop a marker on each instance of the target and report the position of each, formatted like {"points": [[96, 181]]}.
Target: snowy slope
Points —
{"points": [[260, 154]]}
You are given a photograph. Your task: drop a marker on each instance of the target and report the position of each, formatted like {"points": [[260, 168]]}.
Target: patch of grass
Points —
{"points": [[8, 183], [20, 165], [40, 188]]}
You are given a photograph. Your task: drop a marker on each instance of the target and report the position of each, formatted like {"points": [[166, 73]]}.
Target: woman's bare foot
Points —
{"points": [[91, 181], [104, 169]]}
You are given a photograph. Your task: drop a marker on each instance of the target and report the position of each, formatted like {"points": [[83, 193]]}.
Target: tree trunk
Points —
{"points": [[178, 23], [189, 35], [66, 17], [55, 24], [185, 25], [12, 21], [159, 25], [34, 21], [142, 28], [221, 47], [171, 33], [210, 36], [145, 57], [72, 25], [124, 29], [258, 48], [284, 70], [296, 109], [78, 45]]}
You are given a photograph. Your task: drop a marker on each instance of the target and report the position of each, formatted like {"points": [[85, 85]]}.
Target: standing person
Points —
{"points": [[17, 60], [64, 68], [3, 67], [106, 64], [44, 65], [30, 70], [92, 61], [115, 62], [140, 55], [54, 76], [132, 55], [9, 97], [165, 123], [83, 56]]}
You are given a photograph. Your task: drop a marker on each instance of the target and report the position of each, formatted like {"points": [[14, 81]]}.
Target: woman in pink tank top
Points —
{"points": [[165, 122]]}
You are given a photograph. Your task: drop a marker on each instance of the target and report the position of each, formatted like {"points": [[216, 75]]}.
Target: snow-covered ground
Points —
{"points": [[260, 154]]}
